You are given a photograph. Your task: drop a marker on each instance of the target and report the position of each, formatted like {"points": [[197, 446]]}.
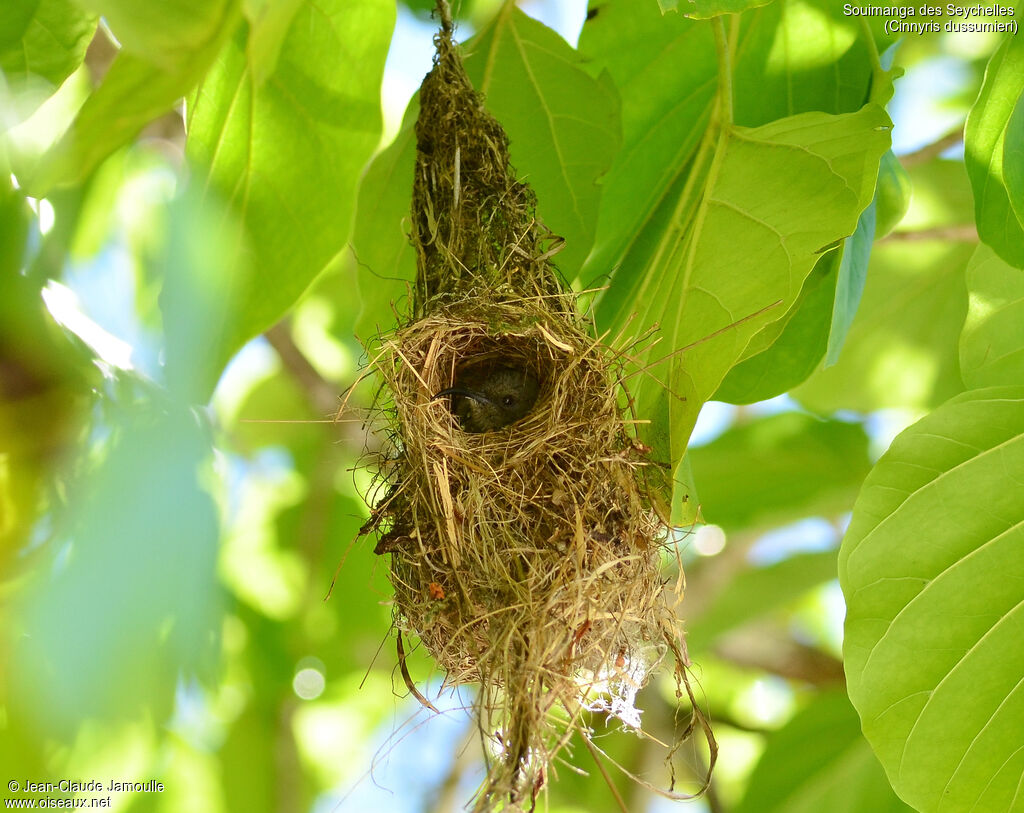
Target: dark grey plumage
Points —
{"points": [[489, 398]]}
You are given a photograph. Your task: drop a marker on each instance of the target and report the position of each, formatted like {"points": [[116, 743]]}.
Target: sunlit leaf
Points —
{"points": [[134, 91], [819, 761], [778, 469], [1013, 159], [784, 353], [202, 282], [44, 40], [380, 237], [774, 198], [704, 9], [285, 157], [992, 342], [984, 140], [563, 125], [666, 68], [934, 585], [901, 350], [892, 195], [166, 33], [270, 20], [14, 228]]}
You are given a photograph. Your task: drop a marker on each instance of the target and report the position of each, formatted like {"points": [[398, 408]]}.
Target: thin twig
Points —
{"points": [[408, 678]]}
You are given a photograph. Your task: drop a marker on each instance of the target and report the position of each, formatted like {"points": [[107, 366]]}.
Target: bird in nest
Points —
{"points": [[488, 398]]}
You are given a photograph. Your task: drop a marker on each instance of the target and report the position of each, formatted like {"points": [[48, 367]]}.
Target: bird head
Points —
{"points": [[485, 399]]}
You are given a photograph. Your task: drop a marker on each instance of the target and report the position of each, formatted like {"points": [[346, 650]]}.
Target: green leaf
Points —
{"points": [[984, 140], [200, 294], [166, 33], [901, 350], [784, 353], [756, 591], [892, 195], [15, 216], [853, 272], [666, 100], [44, 39], [773, 199], [563, 124], [134, 91], [285, 157], [133, 583], [270, 20], [934, 583], [666, 69], [902, 347], [704, 9], [778, 469], [819, 761], [992, 341], [380, 238], [1013, 159]]}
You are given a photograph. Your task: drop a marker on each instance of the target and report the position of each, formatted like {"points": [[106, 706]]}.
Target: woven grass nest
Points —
{"points": [[527, 559]]}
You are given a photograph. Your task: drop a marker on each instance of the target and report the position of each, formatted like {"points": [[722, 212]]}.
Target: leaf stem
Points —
{"points": [[869, 39], [724, 73], [877, 71]]}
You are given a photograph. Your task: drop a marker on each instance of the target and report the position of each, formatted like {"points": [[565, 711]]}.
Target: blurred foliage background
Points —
{"points": [[177, 497]]}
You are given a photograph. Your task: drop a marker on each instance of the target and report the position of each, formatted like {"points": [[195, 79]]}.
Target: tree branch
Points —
{"points": [[764, 647], [321, 394], [936, 148], [963, 233]]}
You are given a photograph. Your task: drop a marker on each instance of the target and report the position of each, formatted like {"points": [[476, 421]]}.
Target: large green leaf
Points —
{"points": [[166, 33], [901, 350], [564, 131], [992, 342], [270, 20], [563, 125], [380, 238], [778, 469], [820, 762], [932, 571], [134, 91], [285, 156], [735, 255], [784, 353], [43, 38], [703, 9], [1013, 159], [666, 68], [984, 139]]}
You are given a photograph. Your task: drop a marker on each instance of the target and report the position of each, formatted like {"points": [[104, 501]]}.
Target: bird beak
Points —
{"points": [[463, 392]]}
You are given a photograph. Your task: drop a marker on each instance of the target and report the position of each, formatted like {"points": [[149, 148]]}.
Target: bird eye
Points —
{"points": [[508, 400]]}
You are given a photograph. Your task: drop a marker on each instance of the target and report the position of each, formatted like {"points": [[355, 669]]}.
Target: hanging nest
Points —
{"points": [[526, 558]]}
